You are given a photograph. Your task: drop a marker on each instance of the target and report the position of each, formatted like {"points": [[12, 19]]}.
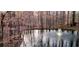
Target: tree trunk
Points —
{"points": [[73, 19], [2, 26]]}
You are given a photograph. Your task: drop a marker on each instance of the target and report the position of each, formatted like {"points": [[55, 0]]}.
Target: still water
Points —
{"points": [[50, 38]]}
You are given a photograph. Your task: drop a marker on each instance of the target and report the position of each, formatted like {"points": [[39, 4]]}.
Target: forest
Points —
{"points": [[14, 23]]}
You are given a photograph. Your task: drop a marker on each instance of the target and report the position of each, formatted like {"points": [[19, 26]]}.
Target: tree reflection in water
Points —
{"points": [[52, 38]]}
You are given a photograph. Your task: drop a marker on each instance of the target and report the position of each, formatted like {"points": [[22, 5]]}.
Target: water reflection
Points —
{"points": [[50, 38]]}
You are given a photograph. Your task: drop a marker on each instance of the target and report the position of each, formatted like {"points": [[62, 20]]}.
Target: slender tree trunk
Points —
{"points": [[68, 19], [56, 18], [73, 19], [41, 21]]}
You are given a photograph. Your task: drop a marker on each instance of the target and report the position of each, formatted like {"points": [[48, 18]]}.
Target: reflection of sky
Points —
{"points": [[53, 36]]}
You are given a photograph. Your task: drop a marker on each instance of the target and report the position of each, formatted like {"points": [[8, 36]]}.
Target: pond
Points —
{"points": [[50, 38]]}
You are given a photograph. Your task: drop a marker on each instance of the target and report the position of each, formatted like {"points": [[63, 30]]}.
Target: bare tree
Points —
{"points": [[41, 19], [73, 19]]}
